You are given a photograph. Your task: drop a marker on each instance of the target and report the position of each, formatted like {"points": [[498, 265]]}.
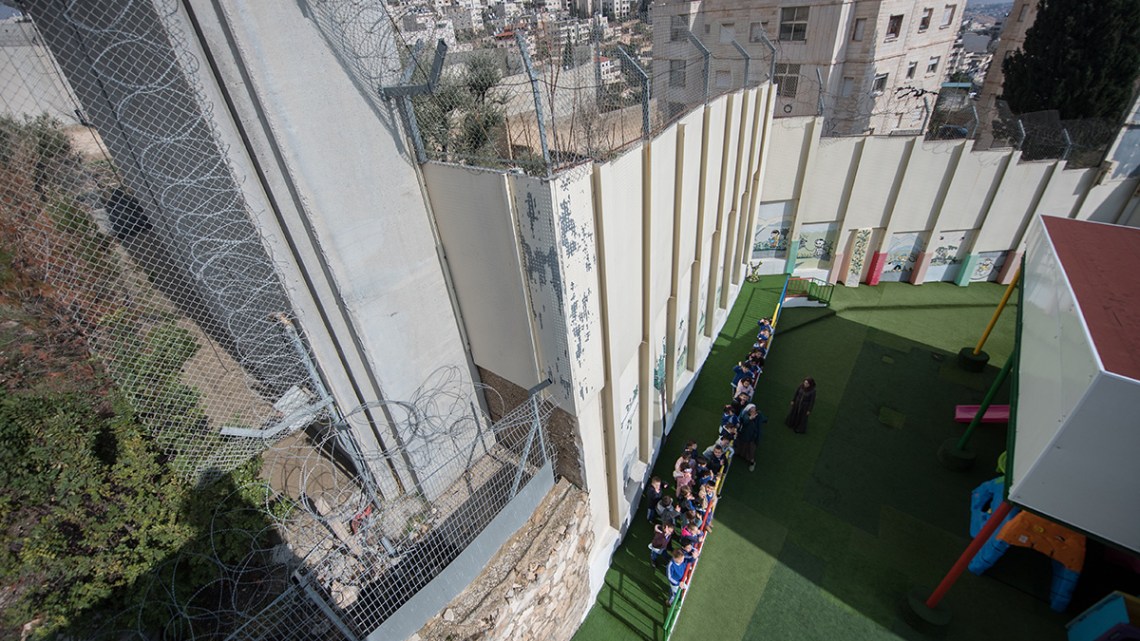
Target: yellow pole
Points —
{"points": [[997, 312]]}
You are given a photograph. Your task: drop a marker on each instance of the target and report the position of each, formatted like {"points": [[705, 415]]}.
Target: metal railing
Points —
{"points": [[812, 288]]}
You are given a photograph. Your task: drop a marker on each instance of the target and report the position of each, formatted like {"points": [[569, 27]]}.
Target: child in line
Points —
{"points": [[662, 535], [653, 495], [676, 574]]}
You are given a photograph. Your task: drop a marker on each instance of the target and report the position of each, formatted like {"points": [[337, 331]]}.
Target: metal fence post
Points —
{"points": [[632, 65], [596, 38], [747, 61], [1020, 134], [530, 72], [974, 126], [772, 49], [535, 429], [1068, 144], [406, 107], [706, 54], [819, 101]]}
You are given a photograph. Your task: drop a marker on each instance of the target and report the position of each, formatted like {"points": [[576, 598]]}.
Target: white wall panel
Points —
{"points": [[1089, 477], [1057, 362], [621, 216], [832, 169], [664, 164], [914, 208], [1105, 202], [546, 283], [880, 163], [1064, 189], [479, 237], [1009, 213], [973, 181], [574, 209], [789, 140], [690, 235]]}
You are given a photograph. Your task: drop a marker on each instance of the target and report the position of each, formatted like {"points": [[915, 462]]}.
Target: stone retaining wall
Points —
{"points": [[537, 586]]}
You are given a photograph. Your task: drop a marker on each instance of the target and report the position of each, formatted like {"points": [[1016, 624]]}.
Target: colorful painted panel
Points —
{"points": [[817, 246], [860, 243], [902, 253], [773, 222], [947, 252], [988, 267]]}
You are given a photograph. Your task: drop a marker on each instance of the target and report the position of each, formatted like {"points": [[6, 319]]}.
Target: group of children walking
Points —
{"points": [[680, 521]]}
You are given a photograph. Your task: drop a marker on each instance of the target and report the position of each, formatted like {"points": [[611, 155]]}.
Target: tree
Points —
{"points": [[1081, 57]]}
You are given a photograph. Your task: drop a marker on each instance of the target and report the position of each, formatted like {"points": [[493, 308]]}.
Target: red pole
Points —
{"points": [[960, 565]]}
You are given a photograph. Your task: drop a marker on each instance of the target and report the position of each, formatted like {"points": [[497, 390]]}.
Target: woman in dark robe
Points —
{"points": [[801, 407]]}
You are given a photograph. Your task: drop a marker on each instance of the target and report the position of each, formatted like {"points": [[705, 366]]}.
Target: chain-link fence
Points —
{"points": [[334, 560], [1041, 135], [116, 190], [545, 91]]}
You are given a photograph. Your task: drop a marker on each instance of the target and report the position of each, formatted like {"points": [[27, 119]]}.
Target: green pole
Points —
{"points": [[987, 400]]}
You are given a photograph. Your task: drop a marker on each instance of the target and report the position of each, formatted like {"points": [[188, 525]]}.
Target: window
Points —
{"points": [[932, 66], [787, 79], [1021, 14], [860, 27], [847, 88], [728, 32], [894, 27], [793, 23], [756, 32], [676, 73], [927, 16], [910, 70], [724, 80], [880, 84], [678, 28], [948, 15]]}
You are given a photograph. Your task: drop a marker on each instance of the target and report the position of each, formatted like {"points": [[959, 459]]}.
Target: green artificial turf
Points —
{"points": [[825, 538]]}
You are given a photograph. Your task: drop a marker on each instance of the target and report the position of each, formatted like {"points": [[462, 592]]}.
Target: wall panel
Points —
{"points": [[971, 188], [789, 139], [478, 234], [1009, 213], [833, 165], [621, 216], [881, 161], [664, 164]]}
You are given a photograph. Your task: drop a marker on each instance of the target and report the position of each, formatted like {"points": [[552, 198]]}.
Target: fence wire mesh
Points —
{"points": [[603, 82], [335, 557], [116, 191], [141, 228]]}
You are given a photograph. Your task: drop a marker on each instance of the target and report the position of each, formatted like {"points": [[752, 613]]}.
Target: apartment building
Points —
{"points": [[870, 66]]}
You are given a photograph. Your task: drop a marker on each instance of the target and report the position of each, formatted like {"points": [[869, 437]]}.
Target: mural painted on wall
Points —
{"points": [[988, 267], [902, 254], [773, 223], [682, 351], [860, 243], [659, 368], [701, 307], [947, 252], [817, 246]]}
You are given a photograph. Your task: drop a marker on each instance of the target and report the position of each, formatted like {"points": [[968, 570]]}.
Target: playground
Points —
{"points": [[834, 527]]}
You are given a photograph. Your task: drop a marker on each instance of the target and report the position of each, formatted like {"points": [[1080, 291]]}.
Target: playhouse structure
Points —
{"points": [[1075, 436]]}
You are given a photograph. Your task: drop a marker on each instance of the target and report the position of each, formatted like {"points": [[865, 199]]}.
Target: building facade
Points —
{"points": [[868, 66]]}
